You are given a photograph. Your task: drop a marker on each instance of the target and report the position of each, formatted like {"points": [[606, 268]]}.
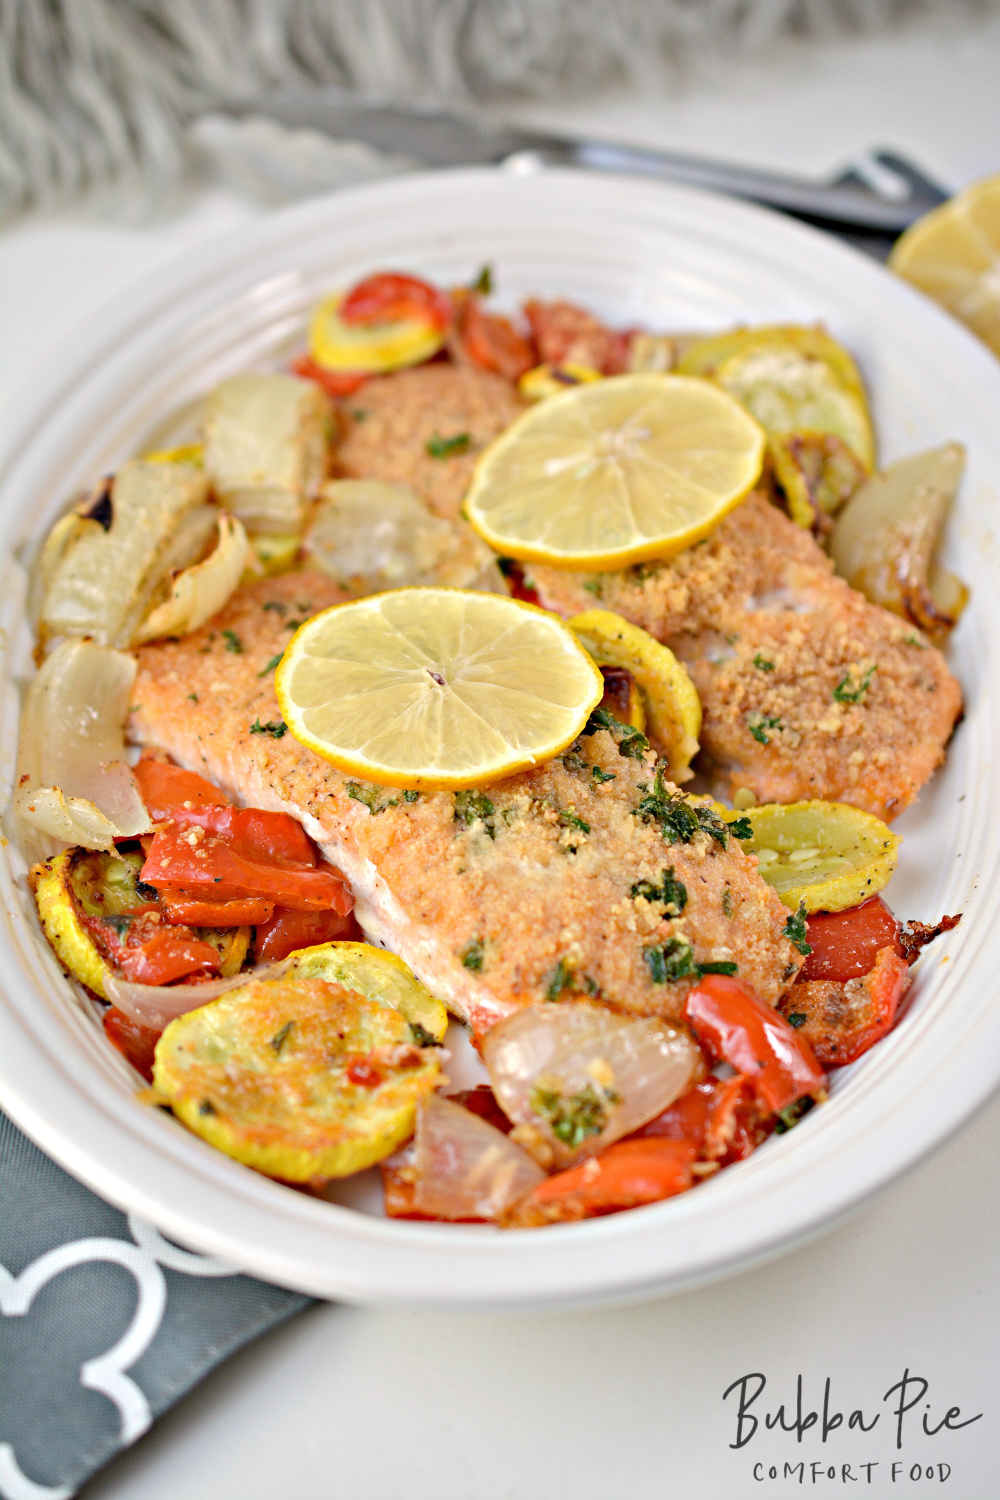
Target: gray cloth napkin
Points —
{"points": [[103, 1324]]}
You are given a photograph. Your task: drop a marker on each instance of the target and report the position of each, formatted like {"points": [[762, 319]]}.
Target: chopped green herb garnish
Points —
{"points": [[593, 586], [561, 978], [474, 807], [472, 955], [445, 447], [797, 1018], [206, 1107], [727, 902], [371, 796], [671, 960], [741, 828], [670, 892], [483, 283], [120, 924], [601, 776], [277, 606], [358, 414], [422, 1036], [762, 664], [570, 820], [787, 1118], [915, 640], [679, 819], [845, 693], [233, 642], [204, 650], [631, 742], [192, 697], [281, 1037], [721, 966], [795, 930], [274, 727], [271, 665], [573, 1117], [411, 796], [759, 724]]}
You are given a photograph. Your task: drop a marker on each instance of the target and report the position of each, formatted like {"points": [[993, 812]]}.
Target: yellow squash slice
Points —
{"points": [[59, 915], [672, 705], [380, 976], [296, 1077], [375, 347], [825, 855], [552, 380]]}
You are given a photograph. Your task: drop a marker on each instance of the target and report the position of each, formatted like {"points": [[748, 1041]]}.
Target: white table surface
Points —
{"points": [[351, 1404]]}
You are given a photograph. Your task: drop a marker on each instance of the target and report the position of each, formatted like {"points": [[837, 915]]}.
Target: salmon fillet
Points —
{"points": [[807, 689], [497, 899]]}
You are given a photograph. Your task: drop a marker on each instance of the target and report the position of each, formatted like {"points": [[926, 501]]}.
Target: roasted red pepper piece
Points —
{"points": [[845, 943], [334, 382], [625, 1175], [167, 956], [389, 296], [721, 1117], [164, 787], [136, 1043], [840, 1020], [492, 342], [738, 1028], [253, 833], [287, 931], [247, 911]]}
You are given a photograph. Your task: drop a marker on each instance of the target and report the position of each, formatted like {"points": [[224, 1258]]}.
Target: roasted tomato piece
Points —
{"points": [[167, 956], [721, 1117], [840, 1020], [390, 296], [246, 911], [287, 931], [482, 1101], [568, 335], [334, 382], [189, 869], [250, 831], [621, 696], [626, 1175], [845, 943], [738, 1028], [165, 787], [136, 1043], [491, 341]]}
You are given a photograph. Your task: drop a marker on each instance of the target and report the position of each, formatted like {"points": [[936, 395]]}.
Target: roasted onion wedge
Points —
{"points": [[884, 542], [200, 591]]}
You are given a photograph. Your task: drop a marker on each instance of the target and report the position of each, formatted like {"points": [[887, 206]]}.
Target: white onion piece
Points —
{"points": [[200, 591], [102, 581], [581, 1063], [73, 782], [465, 1167], [156, 1005], [371, 536]]}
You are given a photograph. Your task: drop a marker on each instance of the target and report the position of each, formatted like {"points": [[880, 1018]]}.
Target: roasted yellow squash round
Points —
{"points": [[823, 855]]}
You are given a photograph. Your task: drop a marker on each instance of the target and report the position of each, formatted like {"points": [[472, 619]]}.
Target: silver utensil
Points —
{"points": [[883, 192]]}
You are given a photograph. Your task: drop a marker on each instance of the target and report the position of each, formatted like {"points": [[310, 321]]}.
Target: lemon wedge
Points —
{"points": [[953, 254], [373, 348], [432, 688], [671, 702], [615, 471]]}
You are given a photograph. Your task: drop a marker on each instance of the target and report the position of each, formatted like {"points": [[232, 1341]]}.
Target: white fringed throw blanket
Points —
{"points": [[103, 92]]}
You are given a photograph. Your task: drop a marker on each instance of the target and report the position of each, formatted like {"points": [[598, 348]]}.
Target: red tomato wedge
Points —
{"points": [[212, 870], [135, 1043], [390, 296], [735, 1027], [247, 911], [273, 837], [334, 382], [164, 787], [287, 931], [721, 1117], [168, 956], [845, 943]]}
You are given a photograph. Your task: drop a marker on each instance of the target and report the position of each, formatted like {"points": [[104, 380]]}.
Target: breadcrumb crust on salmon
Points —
{"points": [[495, 900], [391, 419], [807, 689]]}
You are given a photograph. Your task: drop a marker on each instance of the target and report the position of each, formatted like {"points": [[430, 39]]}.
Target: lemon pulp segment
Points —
{"points": [[435, 687], [615, 471], [953, 254]]}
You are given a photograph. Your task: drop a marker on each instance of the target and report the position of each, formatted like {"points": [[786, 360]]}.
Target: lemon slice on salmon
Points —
{"points": [[953, 254], [432, 688], [373, 348], [670, 699], [615, 471]]}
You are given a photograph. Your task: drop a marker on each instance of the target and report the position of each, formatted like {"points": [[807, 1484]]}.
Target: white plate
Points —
{"points": [[636, 253]]}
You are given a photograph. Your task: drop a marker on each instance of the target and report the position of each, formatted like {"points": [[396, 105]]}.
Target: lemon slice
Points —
{"points": [[615, 471], [374, 348], [432, 688], [953, 254], [825, 855], [673, 708]]}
